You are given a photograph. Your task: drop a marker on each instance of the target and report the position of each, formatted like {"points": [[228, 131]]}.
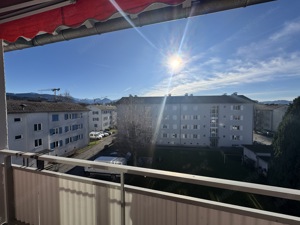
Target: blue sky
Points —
{"points": [[254, 51]]}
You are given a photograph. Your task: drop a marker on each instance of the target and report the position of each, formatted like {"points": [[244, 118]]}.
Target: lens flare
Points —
{"points": [[175, 63]]}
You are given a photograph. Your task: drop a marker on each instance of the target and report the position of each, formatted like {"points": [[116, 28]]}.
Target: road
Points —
{"points": [[89, 154]]}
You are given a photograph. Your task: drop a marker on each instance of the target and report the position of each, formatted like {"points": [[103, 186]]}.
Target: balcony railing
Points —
{"points": [[36, 196]]}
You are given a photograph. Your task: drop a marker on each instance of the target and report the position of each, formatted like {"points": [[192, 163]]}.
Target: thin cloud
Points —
{"points": [[270, 44], [127, 89], [242, 73], [289, 29]]}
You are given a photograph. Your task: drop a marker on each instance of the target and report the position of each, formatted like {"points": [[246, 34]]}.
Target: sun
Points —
{"points": [[175, 63]]}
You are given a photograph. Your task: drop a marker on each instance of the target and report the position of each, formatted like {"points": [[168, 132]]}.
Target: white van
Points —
{"points": [[95, 135], [106, 159]]}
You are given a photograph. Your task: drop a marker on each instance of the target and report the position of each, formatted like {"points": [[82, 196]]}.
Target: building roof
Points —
{"points": [[220, 99], [270, 106], [104, 107], [16, 106], [260, 148]]}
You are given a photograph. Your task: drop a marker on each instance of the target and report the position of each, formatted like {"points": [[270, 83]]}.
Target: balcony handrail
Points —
{"points": [[273, 191]]}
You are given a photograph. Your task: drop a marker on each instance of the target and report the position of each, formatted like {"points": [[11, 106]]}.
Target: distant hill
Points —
{"points": [[277, 102], [48, 97]]}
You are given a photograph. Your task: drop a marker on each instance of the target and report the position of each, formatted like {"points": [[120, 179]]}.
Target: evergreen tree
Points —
{"points": [[285, 167]]}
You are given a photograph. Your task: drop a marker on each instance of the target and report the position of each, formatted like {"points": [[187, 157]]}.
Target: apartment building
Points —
{"points": [[189, 120], [55, 127], [268, 117], [102, 117]]}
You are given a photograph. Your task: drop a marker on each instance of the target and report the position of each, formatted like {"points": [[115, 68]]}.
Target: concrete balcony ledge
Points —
{"points": [[57, 198]]}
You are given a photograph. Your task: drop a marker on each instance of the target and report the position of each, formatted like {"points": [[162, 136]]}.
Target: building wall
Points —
{"points": [[34, 132], [192, 124], [22, 134], [69, 133], [101, 117]]}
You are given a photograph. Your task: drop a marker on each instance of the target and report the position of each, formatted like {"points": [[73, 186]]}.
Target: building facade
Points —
{"points": [[58, 128], [189, 120], [268, 117], [102, 117]]}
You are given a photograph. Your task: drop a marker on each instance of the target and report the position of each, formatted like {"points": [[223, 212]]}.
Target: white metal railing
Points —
{"points": [[126, 204]]}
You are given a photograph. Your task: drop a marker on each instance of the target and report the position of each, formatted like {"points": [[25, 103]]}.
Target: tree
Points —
{"points": [[285, 166], [135, 129]]}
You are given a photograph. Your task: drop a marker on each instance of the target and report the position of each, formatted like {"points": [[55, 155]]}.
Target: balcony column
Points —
{"points": [[6, 178], [3, 110]]}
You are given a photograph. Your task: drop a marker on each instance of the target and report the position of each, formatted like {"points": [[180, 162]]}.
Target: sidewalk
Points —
{"points": [[84, 155]]}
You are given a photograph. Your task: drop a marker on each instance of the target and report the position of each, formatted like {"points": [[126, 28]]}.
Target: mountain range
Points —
{"points": [[48, 97]]}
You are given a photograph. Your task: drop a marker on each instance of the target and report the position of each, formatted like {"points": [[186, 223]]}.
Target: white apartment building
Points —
{"points": [[102, 117], [59, 128], [214, 121]]}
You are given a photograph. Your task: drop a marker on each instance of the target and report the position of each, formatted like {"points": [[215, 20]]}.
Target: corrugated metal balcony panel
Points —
{"points": [[26, 195], [42, 199], [2, 212], [195, 215], [149, 210]]}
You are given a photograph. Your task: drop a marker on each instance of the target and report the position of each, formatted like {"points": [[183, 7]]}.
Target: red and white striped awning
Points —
{"points": [[72, 16], [27, 23]]}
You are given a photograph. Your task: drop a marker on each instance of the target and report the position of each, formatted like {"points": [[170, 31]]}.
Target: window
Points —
{"points": [[17, 119], [37, 126], [95, 119], [17, 137], [56, 144], [66, 116], [165, 126], [185, 126], [95, 112], [37, 142], [67, 141], [174, 135], [237, 107], [236, 137], [174, 117], [57, 130], [236, 127], [195, 126], [55, 117], [196, 117], [195, 136], [184, 117], [237, 117], [165, 135], [74, 127], [95, 125], [66, 128], [184, 136]]}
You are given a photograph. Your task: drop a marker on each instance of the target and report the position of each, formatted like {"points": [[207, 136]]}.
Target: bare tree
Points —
{"points": [[135, 126]]}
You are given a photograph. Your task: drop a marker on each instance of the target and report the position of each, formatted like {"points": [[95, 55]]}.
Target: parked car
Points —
{"points": [[106, 159], [95, 135]]}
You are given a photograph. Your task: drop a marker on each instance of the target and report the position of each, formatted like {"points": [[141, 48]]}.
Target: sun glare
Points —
{"points": [[175, 63]]}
